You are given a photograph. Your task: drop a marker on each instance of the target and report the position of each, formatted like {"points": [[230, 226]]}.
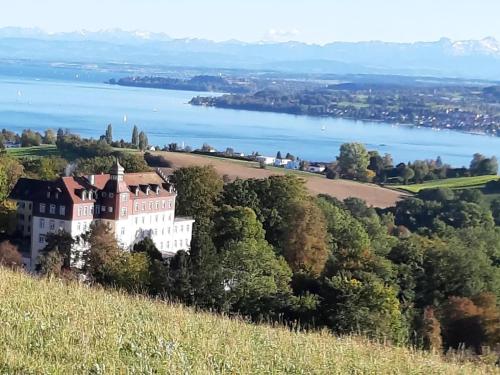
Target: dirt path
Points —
{"points": [[341, 189]]}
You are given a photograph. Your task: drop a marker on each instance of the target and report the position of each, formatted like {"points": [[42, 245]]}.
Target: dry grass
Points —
{"points": [[51, 328], [317, 184]]}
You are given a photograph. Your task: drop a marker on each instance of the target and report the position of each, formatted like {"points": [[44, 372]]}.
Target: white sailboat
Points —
{"points": [[124, 118], [323, 128]]}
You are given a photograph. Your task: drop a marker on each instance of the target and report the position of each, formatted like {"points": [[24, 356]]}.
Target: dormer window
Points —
{"points": [[147, 190], [136, 191], [157, 190], [104, 194], [48, 194]]}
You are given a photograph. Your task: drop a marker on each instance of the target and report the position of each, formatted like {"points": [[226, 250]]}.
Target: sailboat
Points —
{"points": [[323, 128], [124, 118], [19, 93]]}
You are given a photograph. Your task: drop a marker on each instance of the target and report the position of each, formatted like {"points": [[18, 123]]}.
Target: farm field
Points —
{"points": [[34, 152], [317, 184]]}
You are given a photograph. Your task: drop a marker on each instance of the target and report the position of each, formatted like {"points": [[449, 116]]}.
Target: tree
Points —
{"points": [[256, 281], [62, 242], [407, 174], [353, 159], [30, 138], [278, 155], [109, 134], [8, 217], [371, 308], [198, 188], [10, 256], [135, 136], [305, 246], [143, 141], [49, 137], [60, 135], [102, 254], [10, 171], [431, 331], [51, 167]]}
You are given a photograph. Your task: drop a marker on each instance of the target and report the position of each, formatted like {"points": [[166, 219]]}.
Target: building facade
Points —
{"points": [[133, 205]]}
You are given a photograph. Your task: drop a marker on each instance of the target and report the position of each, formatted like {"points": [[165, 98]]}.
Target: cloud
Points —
{"points": [[280, 35]]}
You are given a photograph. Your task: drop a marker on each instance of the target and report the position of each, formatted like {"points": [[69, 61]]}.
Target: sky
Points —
{"points": [[311, 21]]}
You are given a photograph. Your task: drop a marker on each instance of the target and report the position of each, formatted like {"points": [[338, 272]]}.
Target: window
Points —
{"points": [[143, 219], [168, 230], [157, 205], [123, 231], [182, 228], [187, 242], [111, 195], [156, 218], [52, 225], [163, 204], [41, 238], [143, 206], [84, 227], [52, 209], [62, 210], [42, 223], [61, 225], [168, 244], [150, 205], [136, 207], [104, 194], [85, 211], [110, 209], [136, 220], [79, 211], [169, 204], [124, 211], [163, 218], [103, 208], [91, 210], [124, 197], [48, 194], [42, 208], [84, 195], [97, 210], [79, 226], [175, 243], [163, 231], [175, 229]]}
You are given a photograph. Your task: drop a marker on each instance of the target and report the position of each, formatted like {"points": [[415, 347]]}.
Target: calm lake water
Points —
{"points": [[86, 108]]}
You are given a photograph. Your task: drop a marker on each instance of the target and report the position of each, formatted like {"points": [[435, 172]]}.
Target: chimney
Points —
{"points": [[91, 179]]}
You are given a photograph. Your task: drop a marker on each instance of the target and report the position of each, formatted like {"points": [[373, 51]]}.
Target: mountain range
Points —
{"points": [[478, 59]]}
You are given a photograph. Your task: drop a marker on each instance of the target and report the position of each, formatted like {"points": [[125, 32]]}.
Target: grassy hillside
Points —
{"points": [[47, 327], [452, 183]]}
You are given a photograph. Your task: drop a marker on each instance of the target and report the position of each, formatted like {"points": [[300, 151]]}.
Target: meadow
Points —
{"points": [[57, 328], [452, 183]]}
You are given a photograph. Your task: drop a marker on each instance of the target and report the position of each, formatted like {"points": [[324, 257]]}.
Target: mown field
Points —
{"points": [[452, 183], [48, 327], [34, 152]]}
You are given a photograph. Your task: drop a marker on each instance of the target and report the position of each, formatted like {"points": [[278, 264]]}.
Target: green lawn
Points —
{"points": [[452, 183], [34, 152], [48, 327]]}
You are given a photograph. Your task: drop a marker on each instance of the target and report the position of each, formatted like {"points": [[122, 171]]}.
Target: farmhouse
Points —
{"points": [[134, 205]]}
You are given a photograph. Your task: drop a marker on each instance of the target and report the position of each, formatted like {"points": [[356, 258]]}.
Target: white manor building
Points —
{"points": [[134, 205]]}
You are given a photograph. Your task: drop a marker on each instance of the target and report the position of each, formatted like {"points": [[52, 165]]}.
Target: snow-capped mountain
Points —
{"points": [[442, 58]]}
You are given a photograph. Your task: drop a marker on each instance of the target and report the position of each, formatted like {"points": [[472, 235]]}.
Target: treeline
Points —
{"points": [[425, 272], [28, 138], [356, 162], [197, 83]]}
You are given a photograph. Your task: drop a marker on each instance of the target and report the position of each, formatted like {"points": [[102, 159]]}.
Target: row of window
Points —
{"points": [[52, 209], [89, 210], [143, 219], [52, 224], [153, 205]]}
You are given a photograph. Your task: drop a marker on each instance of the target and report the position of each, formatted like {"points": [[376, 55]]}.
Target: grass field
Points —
{"points": [[452, 183], [34, 152], [51, 328]]}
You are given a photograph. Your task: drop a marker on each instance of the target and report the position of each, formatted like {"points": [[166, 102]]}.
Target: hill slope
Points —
{"points": [[47, 327]]}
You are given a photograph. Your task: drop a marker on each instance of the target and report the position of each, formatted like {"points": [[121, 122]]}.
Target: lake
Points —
{"points": [[86, 109]]}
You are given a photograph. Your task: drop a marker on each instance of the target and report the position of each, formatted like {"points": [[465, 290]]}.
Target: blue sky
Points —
{"points": [[313, 21]]}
